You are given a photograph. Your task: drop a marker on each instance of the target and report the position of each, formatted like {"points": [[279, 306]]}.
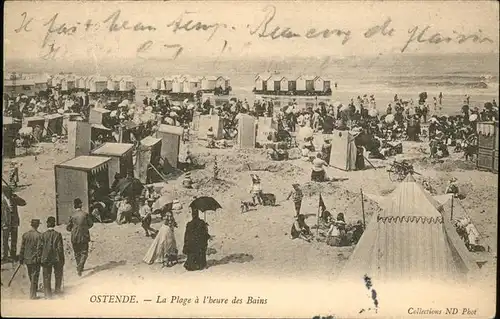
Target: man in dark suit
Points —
{"points": [[79, 225], [10, 222], [30, 255], [52, 257]]}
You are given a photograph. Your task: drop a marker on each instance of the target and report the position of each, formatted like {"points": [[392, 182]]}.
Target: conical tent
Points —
{"points": [[409, 240]]}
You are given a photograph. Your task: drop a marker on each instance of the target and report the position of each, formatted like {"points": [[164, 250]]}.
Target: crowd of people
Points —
{"points": [[375, 133]]}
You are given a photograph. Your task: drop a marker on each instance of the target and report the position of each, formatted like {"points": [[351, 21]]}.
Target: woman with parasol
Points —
{"points": [[196, 242]]}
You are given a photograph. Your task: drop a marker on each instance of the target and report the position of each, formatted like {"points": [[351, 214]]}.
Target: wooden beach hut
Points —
{"points": [[121, 157], [34, 121], [16, 87], [41, 84], [247, 131], [284, 84], [54, 124], [343, 152], [222, 82], [126, 83], [79, 142], [213, 121], [261, 81], [177, 85], [98, 84], [68, 117], [208, 83], [113, 83], [191, 85], [319, 84], [276, 83], [148, 154], [170, 144], [156, 84], [10, 130], [167, 84], [305, 83], [77, 178], [99, 115]]}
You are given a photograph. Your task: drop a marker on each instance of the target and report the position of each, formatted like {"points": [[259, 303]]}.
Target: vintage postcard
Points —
{"points": [[243, 159]]}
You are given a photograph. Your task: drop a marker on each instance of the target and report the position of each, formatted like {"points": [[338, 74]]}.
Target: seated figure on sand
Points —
{"points": [[318, 173], [300, 229]]}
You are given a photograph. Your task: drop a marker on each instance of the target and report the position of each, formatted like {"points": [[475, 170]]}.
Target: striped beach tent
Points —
{"points": [[410, 240]]}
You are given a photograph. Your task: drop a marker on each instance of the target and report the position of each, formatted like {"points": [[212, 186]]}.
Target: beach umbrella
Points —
{"points": [[163, 201], [336, 104], [305, 132], [129, 187], [472, 117], [389, 118], [204, 204], [373, 112]]}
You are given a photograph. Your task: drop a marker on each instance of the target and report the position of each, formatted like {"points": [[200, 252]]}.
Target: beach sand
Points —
{"points": [[254, 244]]}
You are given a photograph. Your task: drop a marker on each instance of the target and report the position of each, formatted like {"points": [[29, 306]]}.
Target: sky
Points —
{"points": [[449, 18]]}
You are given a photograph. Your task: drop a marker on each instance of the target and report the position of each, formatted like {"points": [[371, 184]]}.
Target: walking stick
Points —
{"points": [[370, 163], [14, 274], [363, 209]]}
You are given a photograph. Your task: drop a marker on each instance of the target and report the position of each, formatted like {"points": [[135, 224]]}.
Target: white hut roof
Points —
{"points": [[18, 82], [100, 78], [113, 149], [210, 77], [277, 77], [85, 163], [307, 77], [101, 110], [263, 76], [171, 129], [149, 141]]}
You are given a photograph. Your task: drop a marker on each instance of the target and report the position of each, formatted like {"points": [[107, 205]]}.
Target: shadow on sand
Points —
{"points": [[233, 258], [109, 265]]}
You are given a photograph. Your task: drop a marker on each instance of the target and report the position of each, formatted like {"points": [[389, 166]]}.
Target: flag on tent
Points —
{"points": [[322, 206]]}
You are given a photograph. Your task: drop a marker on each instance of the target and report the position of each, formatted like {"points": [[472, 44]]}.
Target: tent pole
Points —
{"points": [[317, 223], [363, 209], [451, 215]]}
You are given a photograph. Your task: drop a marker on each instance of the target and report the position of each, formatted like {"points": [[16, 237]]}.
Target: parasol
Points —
{"points": [[129, 187], [472, 117], [373, 112], [305, 132], [162, 201], [28, 130], [389, 118], [205, 203]]}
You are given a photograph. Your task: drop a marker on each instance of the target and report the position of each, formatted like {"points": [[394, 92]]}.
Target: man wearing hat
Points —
{"points": [[52, 257], [10, 221], [30, 255], [145, 212], [79, 225]]}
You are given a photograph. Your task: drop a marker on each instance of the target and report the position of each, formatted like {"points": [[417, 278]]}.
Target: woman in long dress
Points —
{"points": [[164, 247]]}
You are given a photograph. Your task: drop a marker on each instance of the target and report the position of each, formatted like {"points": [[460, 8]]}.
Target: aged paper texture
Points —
{"points": [[281, 159]]}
